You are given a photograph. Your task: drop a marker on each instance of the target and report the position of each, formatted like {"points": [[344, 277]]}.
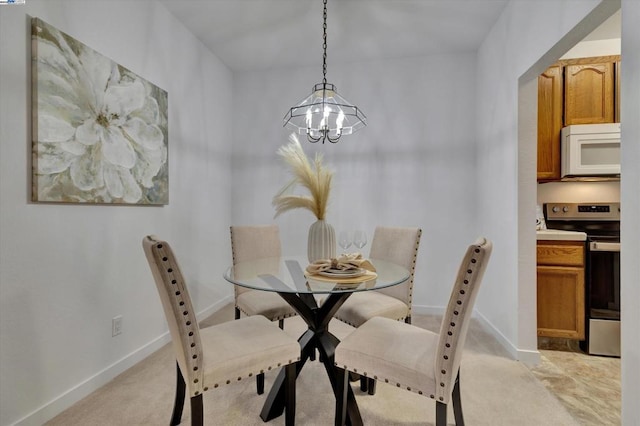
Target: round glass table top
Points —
{"points": [[287, 275]]}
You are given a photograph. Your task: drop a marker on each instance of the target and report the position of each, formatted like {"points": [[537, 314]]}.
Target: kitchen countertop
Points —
{"points": [[559, 235]]}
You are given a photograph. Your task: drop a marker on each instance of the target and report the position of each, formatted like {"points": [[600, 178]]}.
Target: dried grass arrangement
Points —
{"points": [[316, 178]]}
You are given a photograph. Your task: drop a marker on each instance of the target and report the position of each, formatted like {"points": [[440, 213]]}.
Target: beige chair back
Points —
{"points": [[178, 310], [400, 246], [455, 322], [254, 242]]}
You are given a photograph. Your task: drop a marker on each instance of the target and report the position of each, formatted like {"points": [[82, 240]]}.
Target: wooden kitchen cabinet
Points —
{"points": [[589, 91], [561, 289], [574, 91], [550, 104], [616, 113]]}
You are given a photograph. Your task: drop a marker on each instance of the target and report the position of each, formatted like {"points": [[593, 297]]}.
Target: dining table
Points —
{"points": [[316, 298]]}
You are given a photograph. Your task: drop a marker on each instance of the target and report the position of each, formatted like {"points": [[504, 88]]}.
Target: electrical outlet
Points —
{"points": [[116, 326]]}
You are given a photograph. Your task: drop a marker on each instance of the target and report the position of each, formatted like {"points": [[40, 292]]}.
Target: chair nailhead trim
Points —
{"points": [[228, 381]]}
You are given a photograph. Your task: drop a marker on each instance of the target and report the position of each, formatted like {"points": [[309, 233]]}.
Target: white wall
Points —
{"points": [[530, 36], [413, 165], [66, 270], [526, 32], [630, 222]]}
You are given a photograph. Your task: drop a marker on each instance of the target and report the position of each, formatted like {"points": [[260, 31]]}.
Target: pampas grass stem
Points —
{"points": [[314, 177]]}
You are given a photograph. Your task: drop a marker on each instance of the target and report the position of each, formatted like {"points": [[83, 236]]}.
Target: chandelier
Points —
{"points": [[324, 115]]}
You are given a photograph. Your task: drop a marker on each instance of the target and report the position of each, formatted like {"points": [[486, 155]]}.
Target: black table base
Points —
{"points": [[316, 337]]}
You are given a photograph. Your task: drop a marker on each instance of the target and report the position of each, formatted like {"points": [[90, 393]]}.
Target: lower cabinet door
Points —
{"points": [[561, 302]]}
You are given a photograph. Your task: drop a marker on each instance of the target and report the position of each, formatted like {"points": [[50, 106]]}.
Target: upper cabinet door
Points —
{"points": [[589, 92], [617, 93], [550, 103]]}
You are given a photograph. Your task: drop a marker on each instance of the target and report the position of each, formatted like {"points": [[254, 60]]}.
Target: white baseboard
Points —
{"points": [[529, 357], [93, 383]]}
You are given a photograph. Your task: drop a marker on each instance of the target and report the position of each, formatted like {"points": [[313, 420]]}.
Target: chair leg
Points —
{"points": [[371, 386], [197, 412], [342, 385], [290, 394], [368, 384], [364, 383], [178, 403], [441, 414], [281, 324], [457, 402], [260, 383], [237, 313]]}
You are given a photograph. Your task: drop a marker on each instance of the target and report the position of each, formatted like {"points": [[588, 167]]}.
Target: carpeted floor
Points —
{"points": [[495, 390]]}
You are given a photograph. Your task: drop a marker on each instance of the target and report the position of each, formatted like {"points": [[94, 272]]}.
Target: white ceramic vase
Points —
{"points": [[322, 241]]}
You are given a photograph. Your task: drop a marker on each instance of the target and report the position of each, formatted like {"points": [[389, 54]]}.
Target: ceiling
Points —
{"points": [[262, 34]]}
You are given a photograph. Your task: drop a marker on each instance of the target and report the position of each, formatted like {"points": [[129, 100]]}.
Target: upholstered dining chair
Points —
{"points": [[413, 358], [397, 245], [219, 355], [253, 242], [257, 242]]}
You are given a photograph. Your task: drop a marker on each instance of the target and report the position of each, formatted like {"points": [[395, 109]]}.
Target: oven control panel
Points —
{"points": [[582, 211]]}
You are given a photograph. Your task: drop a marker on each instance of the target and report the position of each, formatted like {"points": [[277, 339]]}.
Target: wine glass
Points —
{"points": [[360, 239], [344, 239]]}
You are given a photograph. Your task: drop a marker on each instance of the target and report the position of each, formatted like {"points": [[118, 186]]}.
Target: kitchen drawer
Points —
{"points": [[561, 253]]}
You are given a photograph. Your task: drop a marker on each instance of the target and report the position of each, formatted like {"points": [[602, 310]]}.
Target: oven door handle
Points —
{"points": [[600, 246]]}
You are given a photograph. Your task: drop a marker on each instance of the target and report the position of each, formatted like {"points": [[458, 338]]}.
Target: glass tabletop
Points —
{"points": [[287, 275]]}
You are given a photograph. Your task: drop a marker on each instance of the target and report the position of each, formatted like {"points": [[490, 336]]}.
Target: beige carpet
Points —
{"points": [[495, 391]]}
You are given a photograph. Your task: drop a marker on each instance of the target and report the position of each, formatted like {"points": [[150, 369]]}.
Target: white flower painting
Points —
{"points": [[99, 130]]}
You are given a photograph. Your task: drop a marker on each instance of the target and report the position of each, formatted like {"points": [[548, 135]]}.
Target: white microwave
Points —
{"points": [[591, 150]]}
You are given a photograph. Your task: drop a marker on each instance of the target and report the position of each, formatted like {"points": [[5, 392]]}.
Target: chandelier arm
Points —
{"points": [[311, 138], [334, 140]]}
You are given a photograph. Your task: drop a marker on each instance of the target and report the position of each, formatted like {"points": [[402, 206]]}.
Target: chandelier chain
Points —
{"points": [[324, 43]]}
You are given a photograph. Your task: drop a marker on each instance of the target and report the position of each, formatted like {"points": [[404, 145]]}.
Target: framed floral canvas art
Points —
{"points": [[99, 130]]}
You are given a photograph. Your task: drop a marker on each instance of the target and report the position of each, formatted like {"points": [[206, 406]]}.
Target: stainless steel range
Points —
{"points": [[601, 223]]}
